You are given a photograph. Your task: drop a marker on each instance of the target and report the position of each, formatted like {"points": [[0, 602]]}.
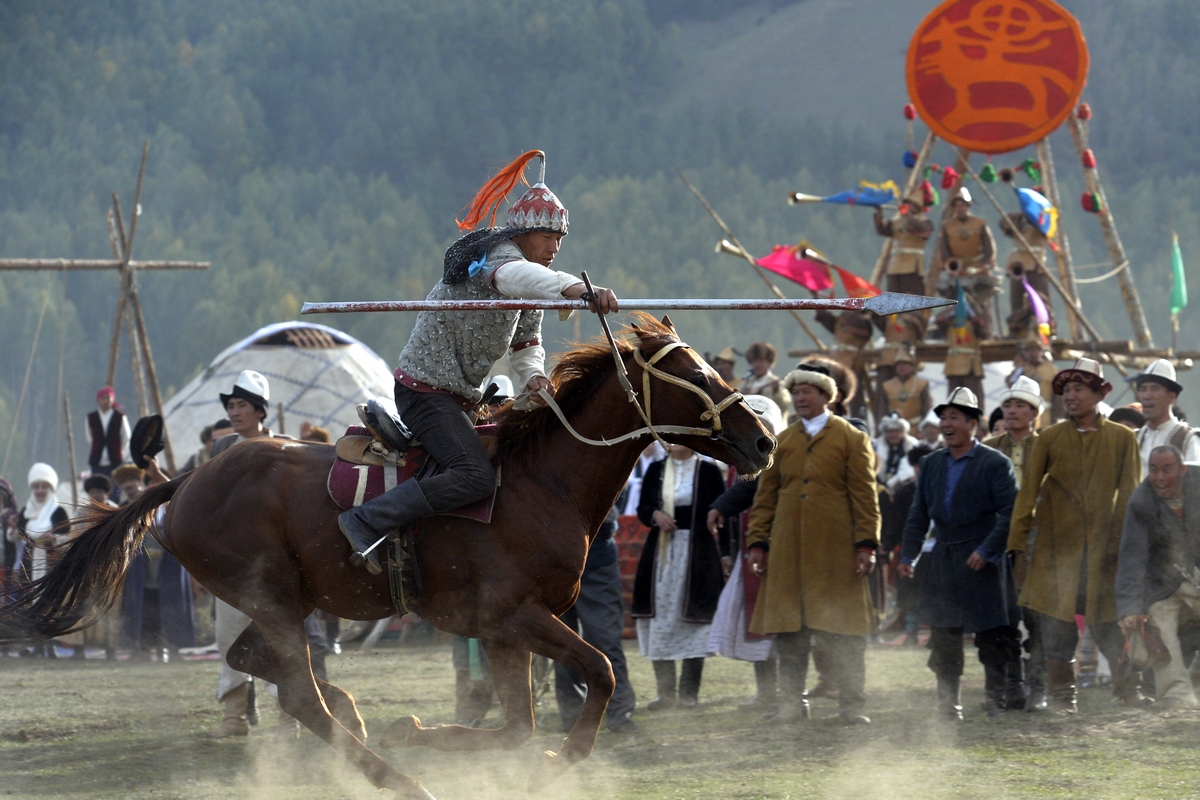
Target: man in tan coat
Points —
{"points": [[817, 513], [1084, 469], [966, 254], [909, 231]]}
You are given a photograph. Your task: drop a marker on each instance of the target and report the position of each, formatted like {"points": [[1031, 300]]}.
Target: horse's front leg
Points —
{"points": [[545, 634], [508, 661]]}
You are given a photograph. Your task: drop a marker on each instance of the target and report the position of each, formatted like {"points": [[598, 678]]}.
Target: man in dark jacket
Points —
{"points": [[1158, 569], [968, 491]]}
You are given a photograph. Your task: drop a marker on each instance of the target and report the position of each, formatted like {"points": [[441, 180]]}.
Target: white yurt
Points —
{"points": [[317, 374]]}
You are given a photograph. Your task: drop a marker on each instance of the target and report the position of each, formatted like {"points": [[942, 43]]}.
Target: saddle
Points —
{"points": [[376, 457]]}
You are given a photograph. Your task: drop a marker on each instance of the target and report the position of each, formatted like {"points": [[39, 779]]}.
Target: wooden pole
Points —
{"points": [[1062, 256], [750, 260], [37, 332], [151, 374], [114, 344], [1049, 275], [71, 449], [915, 176], [1116, 251]]}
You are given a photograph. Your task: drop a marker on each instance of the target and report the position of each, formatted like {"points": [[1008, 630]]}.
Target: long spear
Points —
{"points": [[881, 304]]}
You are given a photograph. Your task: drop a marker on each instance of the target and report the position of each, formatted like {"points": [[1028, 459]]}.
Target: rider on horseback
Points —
{"points": [[450, 353]]}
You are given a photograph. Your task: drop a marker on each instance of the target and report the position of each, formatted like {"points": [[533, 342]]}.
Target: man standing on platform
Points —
{"points": [[1076, 485], [909, 231], [851, 333], [906, 394], [108, 430], [1157, 391], [966, 255], [901, 333], [817, 512], [967, 491]]}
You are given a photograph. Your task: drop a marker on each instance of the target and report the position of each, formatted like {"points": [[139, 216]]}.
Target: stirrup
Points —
{"points": [[385, 424]]}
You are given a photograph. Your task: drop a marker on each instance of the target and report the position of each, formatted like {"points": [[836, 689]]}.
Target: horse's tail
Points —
{"points": [[88, 577]]}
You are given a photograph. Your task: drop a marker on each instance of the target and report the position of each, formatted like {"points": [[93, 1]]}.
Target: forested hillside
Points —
{"points": [[320, 150]]}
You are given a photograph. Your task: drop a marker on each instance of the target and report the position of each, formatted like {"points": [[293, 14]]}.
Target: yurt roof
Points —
{"points": [[315, 372]]}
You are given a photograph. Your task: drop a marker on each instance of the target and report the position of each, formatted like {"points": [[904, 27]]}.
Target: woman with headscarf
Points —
{"points": [[37, 528], [679, 576]]}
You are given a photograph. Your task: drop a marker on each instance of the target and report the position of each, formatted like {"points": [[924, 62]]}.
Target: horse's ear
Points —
{"points": [[667, 322]]}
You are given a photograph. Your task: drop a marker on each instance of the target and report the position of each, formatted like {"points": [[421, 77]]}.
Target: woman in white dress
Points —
{"points": [[679, 575]]}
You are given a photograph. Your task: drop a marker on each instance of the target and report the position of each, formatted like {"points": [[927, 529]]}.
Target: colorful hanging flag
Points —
{"points": [[856, 286], [962, 311], [791, 264], [1038, 211], [867, 194], [1178, 280], [1040, 312]]}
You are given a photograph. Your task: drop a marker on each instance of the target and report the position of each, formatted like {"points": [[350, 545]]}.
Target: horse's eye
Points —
{"points": [[699, 380]]}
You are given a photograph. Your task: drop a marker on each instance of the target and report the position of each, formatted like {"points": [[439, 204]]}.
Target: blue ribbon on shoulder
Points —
{"points": [[477, 265]]}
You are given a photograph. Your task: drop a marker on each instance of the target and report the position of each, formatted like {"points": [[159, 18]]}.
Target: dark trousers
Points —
{"points": [[1060, 638], [847, 665], [599, 617], [997, 648], [464, 472]]}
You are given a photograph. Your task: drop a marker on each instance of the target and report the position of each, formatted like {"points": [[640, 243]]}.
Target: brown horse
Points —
{"points": [[258, 529]]}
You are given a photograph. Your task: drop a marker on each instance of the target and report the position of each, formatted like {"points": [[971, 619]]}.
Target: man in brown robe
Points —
{"points": [[910, 231], [817, 512], [1079, 478], [966, 254]]}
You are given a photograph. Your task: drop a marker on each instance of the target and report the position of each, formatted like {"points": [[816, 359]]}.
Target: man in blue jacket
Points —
{"points": [[967, 490]]}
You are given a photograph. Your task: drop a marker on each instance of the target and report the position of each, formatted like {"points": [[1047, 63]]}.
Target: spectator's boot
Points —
{"points": [[949, 697], [689, 682], [288, 728], [664, 676], [1014, 686], [1061, 688], [825, 687], [993, 690], [766, 681], [1127, 687], [364, 525], [234, 722]]}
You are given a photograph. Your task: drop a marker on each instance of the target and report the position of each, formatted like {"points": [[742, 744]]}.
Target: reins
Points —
{"points": [[648, 371]]}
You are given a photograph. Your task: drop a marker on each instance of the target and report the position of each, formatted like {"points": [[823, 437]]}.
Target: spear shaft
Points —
{"points": [[883, 304]]}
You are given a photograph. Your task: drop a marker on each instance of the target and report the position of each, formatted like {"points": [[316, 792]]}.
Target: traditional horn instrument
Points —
{"points": [[954, 266], [1016, 270], [729, 248]]}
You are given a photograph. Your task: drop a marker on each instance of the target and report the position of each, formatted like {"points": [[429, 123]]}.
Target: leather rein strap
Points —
{"points": [[649, 370]]}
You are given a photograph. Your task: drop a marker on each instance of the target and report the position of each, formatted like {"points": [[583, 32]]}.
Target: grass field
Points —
{"points": [[137, 730]]}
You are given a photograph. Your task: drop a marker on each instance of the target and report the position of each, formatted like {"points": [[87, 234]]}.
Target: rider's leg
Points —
{"points": [[463, 472]]}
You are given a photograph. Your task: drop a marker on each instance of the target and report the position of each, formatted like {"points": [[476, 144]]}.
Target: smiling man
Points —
{"points": [[1076, 485], [967, 491], [1157, 391]]}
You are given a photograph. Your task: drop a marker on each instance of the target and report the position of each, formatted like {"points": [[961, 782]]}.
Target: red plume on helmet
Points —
{"points": [[538, 208]]}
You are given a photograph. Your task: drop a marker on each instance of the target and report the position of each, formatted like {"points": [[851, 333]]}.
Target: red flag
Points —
{"points": [[856, 286], [807, 272]]}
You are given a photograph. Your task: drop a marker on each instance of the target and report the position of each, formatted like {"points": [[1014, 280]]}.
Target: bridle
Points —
{"points": [[649, 371]]}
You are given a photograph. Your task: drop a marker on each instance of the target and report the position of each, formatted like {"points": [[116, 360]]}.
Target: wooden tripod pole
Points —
{"points": [[1108, 226], [1062, 256], [914, 180], [71, 449], [750, 260]]}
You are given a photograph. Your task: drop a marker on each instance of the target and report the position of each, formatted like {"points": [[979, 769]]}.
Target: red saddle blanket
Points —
{"points": [[352, 485]]}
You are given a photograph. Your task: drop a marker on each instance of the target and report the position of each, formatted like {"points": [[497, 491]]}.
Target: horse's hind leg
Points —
{"points": [[509, 665], [251, 655], [286, 654]]}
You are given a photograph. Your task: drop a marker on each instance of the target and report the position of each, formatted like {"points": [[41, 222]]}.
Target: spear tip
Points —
{"points": [[898, 303]]}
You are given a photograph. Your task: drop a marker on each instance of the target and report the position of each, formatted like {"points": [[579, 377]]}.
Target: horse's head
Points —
{"points": [[677, 389]]}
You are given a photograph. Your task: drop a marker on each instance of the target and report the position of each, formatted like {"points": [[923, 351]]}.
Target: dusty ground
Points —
{"points": [[101, 730]]}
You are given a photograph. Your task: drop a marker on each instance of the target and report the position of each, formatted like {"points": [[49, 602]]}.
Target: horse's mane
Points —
{"points": [[577, 374]]}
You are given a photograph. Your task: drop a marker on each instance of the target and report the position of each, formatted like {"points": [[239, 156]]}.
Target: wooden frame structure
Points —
{"points": [[128, 315]]}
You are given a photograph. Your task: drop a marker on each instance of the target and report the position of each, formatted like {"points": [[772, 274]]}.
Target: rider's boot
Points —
{"points": [[364, 525], [234, 722]]}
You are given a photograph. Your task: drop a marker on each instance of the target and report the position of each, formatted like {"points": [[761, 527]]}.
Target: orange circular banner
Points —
{"points": [[996, 75]]}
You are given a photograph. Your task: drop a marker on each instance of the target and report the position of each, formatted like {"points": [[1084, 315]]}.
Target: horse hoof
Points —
{"points": [[400, 733], [548, 768]]}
